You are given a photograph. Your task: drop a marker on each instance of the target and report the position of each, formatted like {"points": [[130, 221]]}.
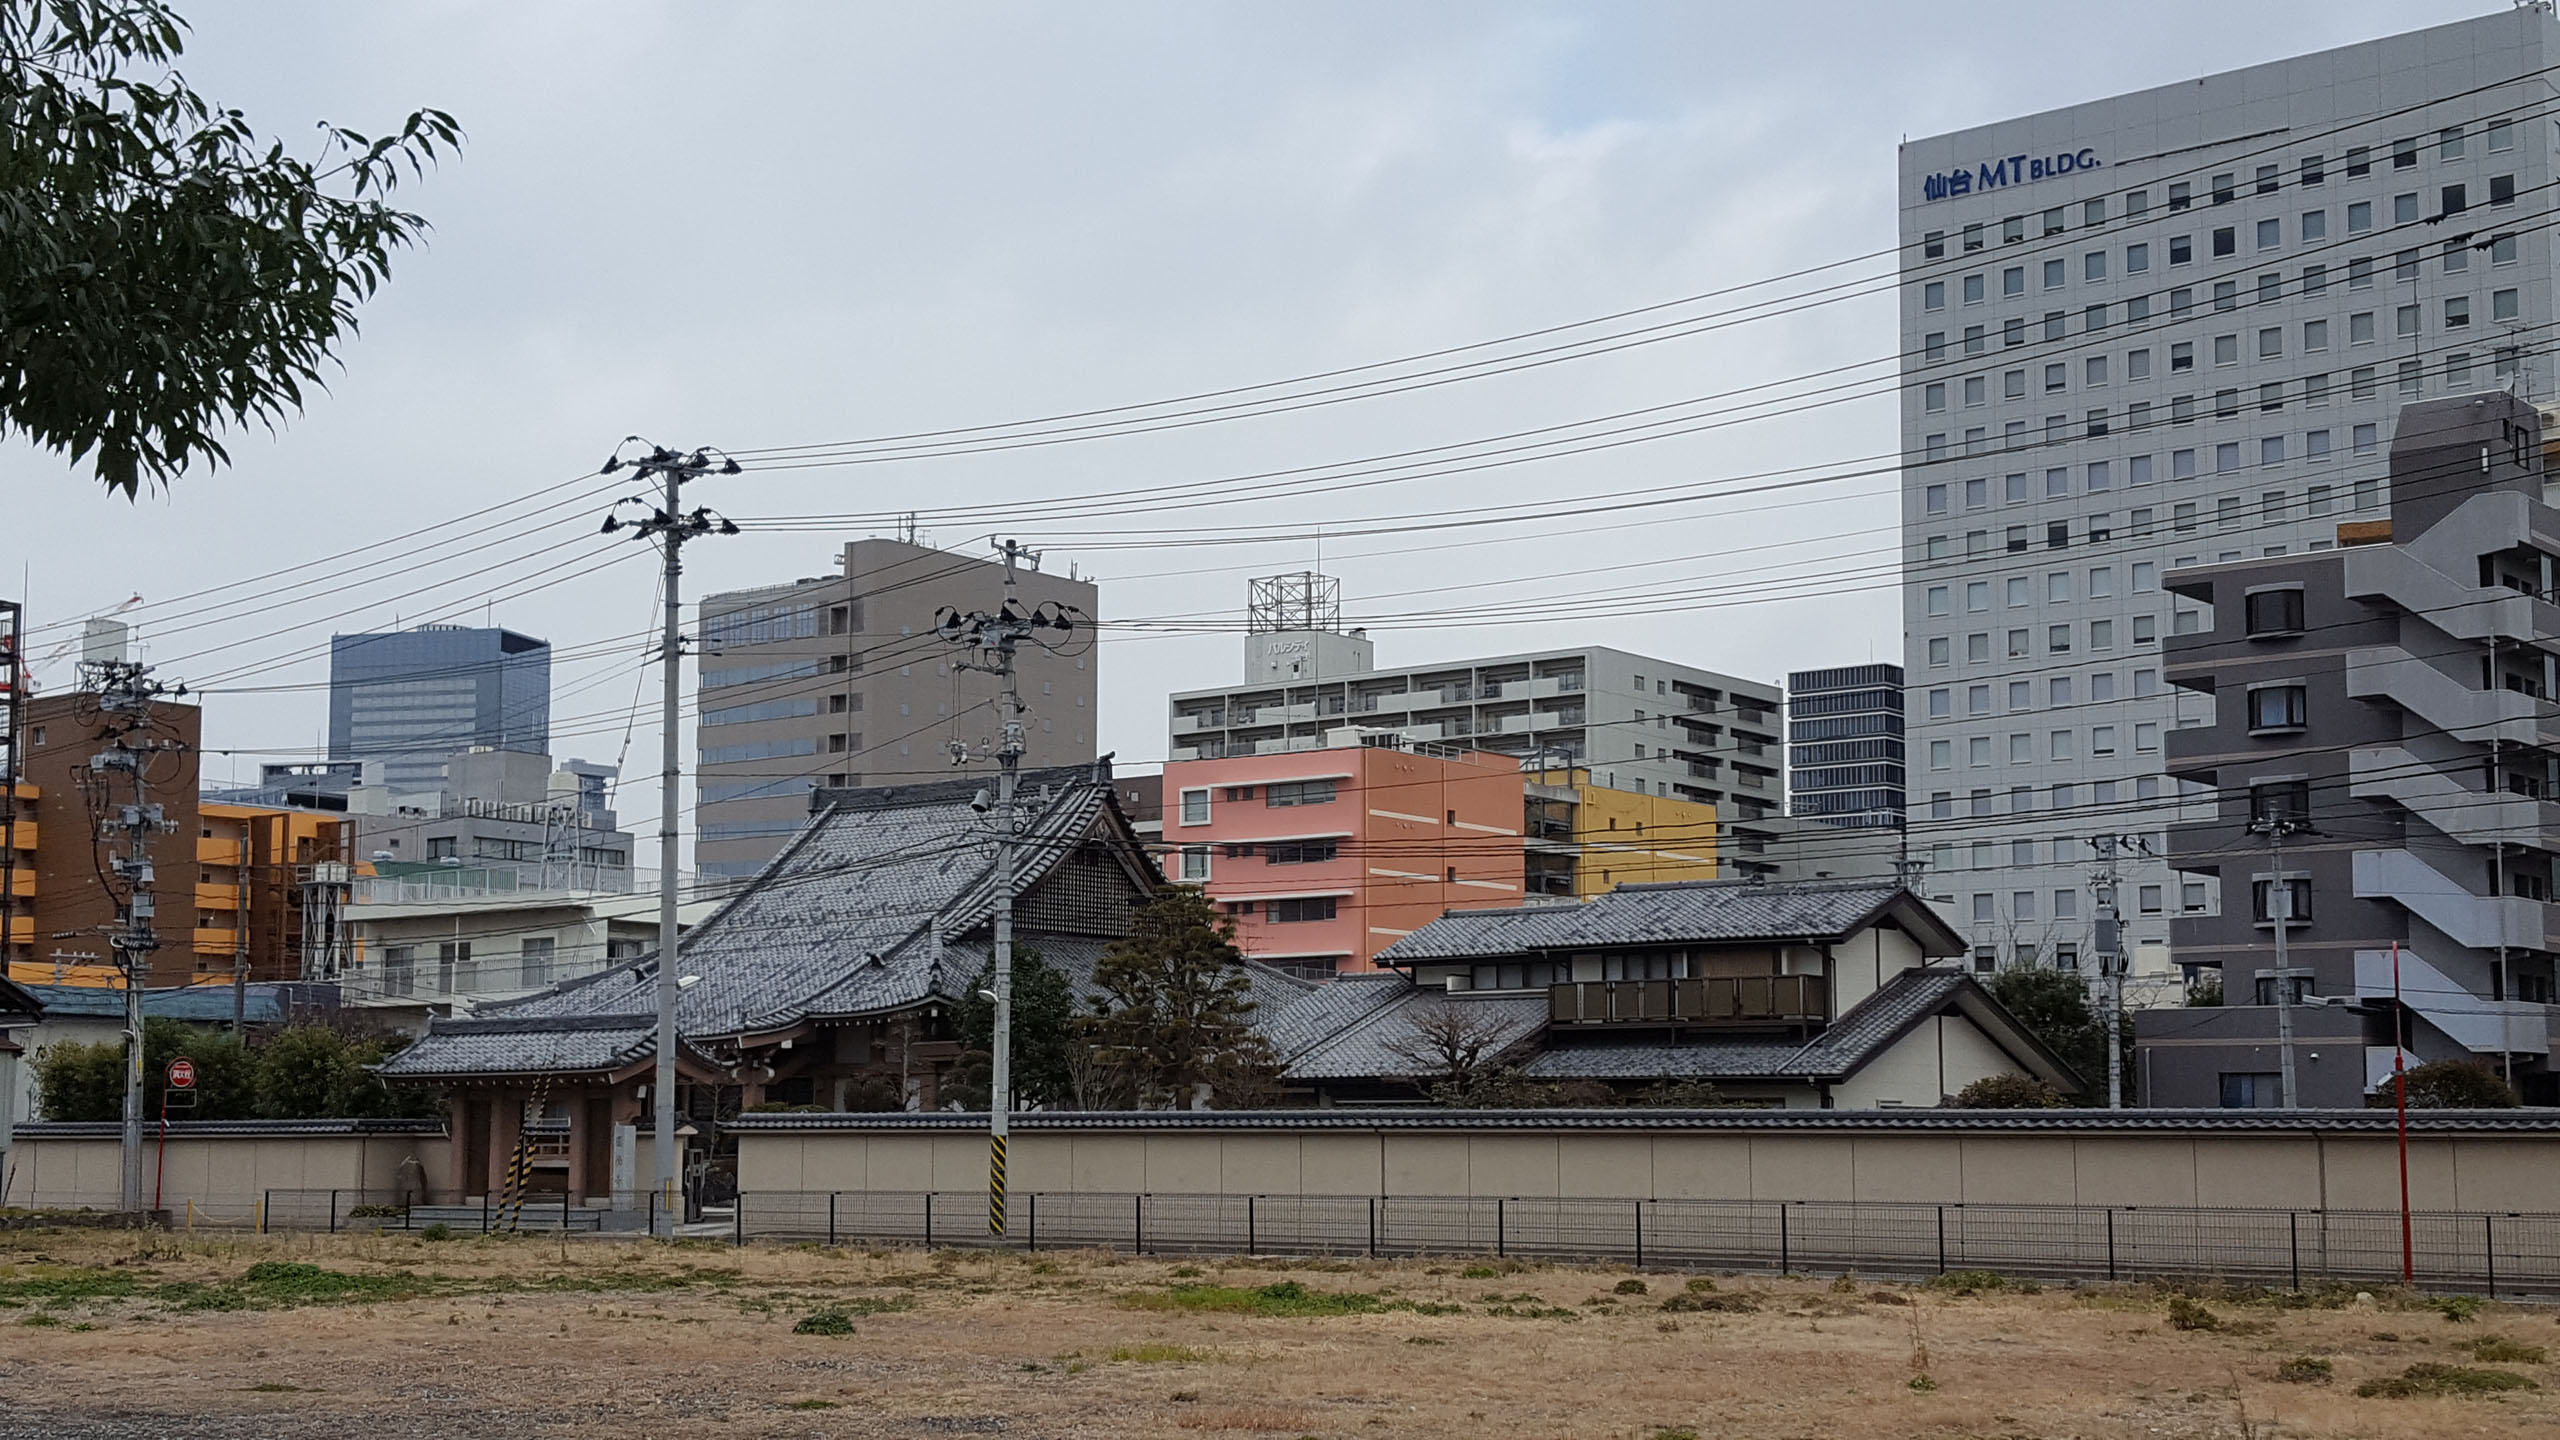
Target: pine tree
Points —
{"points": [[1174, 1019]]}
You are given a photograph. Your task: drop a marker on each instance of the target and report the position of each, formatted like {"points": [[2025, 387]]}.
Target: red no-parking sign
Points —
{"points": [[182, 1074]]}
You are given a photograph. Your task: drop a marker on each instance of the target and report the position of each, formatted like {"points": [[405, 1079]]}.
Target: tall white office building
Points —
{"points": [[2173, 328]]}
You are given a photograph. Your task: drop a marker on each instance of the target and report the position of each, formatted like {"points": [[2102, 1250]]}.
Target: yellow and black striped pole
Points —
{"points": [[520, 1165], [995, 1186]]}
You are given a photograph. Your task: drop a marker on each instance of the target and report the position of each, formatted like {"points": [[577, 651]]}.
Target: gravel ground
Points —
{"points": [[392, 1338]]}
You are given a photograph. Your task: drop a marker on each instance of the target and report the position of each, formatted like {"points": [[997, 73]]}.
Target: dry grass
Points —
{"points": [[546, 1338]]}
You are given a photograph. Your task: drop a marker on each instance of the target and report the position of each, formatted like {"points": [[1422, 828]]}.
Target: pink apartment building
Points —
{"points": [[1326, 857]]}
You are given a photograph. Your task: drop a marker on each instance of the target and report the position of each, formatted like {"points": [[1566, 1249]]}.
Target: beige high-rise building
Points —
{"points": [[840, 680]]}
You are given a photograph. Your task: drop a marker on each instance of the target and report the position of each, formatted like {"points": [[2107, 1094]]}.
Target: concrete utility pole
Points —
{"points": [[240, 932], [2110, 957], [13, 697], [2275, 826], [669, 525], [125, 691], [993, 639]]}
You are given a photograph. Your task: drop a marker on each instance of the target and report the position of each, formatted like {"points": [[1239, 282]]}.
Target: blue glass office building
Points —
{"points": [[411, 698]]}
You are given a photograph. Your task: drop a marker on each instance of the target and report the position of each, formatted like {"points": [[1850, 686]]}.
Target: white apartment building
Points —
{"points": [[1635, 722], [2166, 329]]}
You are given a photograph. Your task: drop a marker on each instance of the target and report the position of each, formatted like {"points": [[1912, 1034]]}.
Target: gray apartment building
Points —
{"points": [[1844, 746], [2386, 748], [2168, 329], [411, 698], [840, 681], [1634, 722]]}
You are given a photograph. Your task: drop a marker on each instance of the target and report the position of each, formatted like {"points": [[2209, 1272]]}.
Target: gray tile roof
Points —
{"points": [[1711, 1060], [1324, 1011], [1708, 912], [1362, 1045], [551, 1044], [865, 911], [1365, 1048]]}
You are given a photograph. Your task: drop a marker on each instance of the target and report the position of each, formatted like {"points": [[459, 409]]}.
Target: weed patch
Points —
{"points": [[48, 1284], [824, 1322], [1534, 1312], [1968, 1282], [2423, 1380], [1711, 1303], [2457, 1309], [2499, 1347], [1285, 1298], [1161, 1353], [1629, 1287]]}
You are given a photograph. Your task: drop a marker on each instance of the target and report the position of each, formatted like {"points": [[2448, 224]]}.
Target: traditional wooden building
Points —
{"points": [[829, 981], [1818, 995]]}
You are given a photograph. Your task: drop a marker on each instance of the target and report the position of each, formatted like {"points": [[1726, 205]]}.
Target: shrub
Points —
{"points": [[302, 1072], [437, 1231], [824, 1322], [2185, 1314], [2008, 1092], [2455, 1085], [2498, 1347], [2305, 1370], [1630, 1286]]}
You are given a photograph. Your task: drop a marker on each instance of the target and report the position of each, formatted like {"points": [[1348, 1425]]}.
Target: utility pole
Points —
{"points": [[993, 640], [669, 525], [125, 693], [2275, 825], [240, 933], [2109, 946], [13, 699]]}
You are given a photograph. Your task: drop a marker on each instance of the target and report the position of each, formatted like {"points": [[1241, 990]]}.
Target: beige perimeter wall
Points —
{"points": [[223, 1176], [2345, 1171]]}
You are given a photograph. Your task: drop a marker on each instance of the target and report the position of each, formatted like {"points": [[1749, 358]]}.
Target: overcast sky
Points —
{"points": [[768, 225]]}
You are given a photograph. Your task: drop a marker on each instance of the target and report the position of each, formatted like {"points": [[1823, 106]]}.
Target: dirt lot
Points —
{"points": [[383, 1338]]}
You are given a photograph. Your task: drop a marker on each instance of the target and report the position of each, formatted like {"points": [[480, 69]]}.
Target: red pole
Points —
{"points": [[2400, 1098], [160, 1162]]}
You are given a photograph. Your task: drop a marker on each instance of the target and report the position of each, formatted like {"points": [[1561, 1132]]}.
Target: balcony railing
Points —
{"points": [[1728, 1000]]}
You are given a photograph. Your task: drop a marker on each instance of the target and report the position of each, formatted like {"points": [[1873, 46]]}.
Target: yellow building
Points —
{"points": [[1587, 839], [22, 876], [250, 862]]}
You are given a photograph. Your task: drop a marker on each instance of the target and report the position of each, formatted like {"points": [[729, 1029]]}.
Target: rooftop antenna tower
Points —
{"points": [[1301, 600]]}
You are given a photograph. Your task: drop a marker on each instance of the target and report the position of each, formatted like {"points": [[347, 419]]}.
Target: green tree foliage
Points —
{"points": [[1175, 1010], [2008, 1092], [165, 274], [1044, 1037], [2054, 1005], [2455, 1085], [303, 1072]]}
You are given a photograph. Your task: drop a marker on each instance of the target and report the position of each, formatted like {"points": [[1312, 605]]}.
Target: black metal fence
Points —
{"points": [[2512, 1254], [358, 1210]]}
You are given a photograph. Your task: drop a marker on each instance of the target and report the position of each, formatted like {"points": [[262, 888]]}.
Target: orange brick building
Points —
{"points": [[227, 878]]}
